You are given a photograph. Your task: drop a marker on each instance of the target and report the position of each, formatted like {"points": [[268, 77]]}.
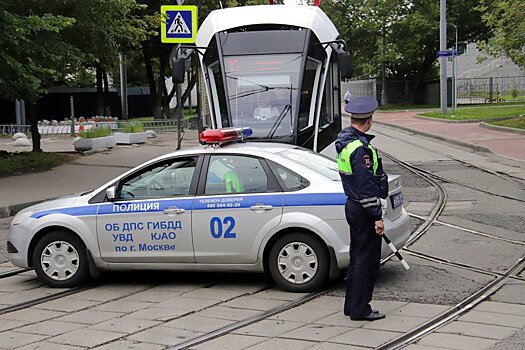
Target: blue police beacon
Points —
{"points": [[361, 107]]}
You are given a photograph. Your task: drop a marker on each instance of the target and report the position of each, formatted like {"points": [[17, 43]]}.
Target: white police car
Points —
{"points": [[235, 207]]}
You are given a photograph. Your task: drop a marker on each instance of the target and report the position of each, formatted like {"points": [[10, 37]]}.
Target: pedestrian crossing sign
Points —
{"points": [[179, 24]]}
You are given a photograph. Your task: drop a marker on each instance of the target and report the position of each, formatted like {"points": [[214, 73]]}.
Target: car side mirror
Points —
{"points": [[178, 70], [180, 63], [111, 193], [345, 64]]}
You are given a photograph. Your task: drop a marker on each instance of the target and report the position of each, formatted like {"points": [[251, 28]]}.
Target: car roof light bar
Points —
{"points": [[218, 136]]}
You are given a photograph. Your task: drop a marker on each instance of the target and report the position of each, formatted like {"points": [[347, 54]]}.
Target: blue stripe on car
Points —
{"points": [[203, 203]]}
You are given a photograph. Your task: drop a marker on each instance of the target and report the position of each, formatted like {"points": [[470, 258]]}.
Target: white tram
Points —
{"points": [[274, 68]]}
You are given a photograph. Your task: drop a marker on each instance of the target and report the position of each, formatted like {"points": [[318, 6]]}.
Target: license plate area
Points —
{"points": [[397, 200]]}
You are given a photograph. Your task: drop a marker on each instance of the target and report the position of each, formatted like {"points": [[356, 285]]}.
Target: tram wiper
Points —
{"points": [[248, 93], [278, 121]]}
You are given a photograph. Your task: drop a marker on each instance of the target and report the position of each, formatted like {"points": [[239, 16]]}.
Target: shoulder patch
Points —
{"points": [[366, 159]]}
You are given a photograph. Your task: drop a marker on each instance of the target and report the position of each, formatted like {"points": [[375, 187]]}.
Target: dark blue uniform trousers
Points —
{"points": [[365, 255]]}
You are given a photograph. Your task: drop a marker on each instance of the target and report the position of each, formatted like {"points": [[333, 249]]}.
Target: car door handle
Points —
{"points": [[261, 207], [174, 210]]}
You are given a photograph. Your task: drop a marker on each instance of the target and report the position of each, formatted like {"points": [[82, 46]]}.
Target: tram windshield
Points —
{"points": [[262, 92]]}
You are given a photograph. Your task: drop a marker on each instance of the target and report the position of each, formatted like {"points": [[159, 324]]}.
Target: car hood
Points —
{"points": [[60, 202]]}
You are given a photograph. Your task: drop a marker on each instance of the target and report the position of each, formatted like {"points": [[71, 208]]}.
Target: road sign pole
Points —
{"points": [[442, 59], [453, 85], [72, 113], [455, 71], [178, 111]]}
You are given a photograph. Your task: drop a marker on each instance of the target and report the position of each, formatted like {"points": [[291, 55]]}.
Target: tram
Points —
{"points": [[274, 68]]}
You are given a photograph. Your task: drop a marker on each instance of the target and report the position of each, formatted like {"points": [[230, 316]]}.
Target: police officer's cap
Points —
{"points": [[361, 107]]}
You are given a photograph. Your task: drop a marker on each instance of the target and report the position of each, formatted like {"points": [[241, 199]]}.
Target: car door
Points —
{"points": [[239, 201], [150, 218]]}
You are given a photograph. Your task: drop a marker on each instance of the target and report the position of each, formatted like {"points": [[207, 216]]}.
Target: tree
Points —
{"points": [[506, 20], [33, 55], [401, 35], [102, 29]]}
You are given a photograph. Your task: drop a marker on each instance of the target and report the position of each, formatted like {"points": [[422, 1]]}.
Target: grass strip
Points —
{"points": [[479, 113], [518, 123], [29, 162]]}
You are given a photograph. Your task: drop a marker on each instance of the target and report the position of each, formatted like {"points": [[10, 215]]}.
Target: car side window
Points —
{"points": [[235, 174], [166, 179], [289, 180]]}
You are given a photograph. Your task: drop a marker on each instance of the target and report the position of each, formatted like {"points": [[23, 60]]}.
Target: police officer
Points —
{"points": [[364, 182]]}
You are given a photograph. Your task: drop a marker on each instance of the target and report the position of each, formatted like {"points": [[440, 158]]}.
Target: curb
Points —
{"points": [[502, 128], [462, 121], [475, 148]]}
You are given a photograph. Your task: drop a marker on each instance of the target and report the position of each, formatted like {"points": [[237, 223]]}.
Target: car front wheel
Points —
{"points": [[299, 262], [60, 260]]}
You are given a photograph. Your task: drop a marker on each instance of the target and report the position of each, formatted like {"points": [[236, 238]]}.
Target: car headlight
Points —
{"points": [[21, 217]]}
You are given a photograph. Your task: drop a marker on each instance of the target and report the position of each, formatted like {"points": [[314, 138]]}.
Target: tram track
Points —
{"points": [[442, 198], [477, 297], [398, 343], [44, 299], [428, 327], [13, 272], [455, 312], [483, 234], [506, 177]]}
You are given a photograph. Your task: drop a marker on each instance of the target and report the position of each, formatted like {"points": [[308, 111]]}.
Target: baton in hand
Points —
{"points": [[394, 250]]}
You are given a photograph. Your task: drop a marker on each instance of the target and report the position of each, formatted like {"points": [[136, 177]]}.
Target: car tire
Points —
{"points": [[60, 260], [299, 262]]}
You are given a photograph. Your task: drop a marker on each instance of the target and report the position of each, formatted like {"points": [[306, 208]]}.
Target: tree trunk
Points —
{"points": [[162, 95], [100, 94], [107, 106], [151, 83], [33, 122], [191, 85]]}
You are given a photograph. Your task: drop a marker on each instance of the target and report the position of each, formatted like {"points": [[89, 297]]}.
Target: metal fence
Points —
{"points": [[491, 90], [469, 90], [64, 129], [395, 92]]}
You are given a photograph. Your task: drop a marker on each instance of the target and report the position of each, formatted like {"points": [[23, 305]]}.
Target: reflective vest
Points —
{"points": [[343, 158]]}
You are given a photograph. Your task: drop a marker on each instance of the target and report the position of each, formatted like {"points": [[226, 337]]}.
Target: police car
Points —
{"points": [[227, 206]]}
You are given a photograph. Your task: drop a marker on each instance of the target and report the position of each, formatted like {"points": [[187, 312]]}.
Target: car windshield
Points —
{"points": [[315, 161], [262, 92]]}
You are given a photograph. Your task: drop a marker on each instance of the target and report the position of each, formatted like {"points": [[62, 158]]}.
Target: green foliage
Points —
{"points": [[132, 127], [401, 34], [24, 163], [96, 132], [33, 53], [506, 20], [518, 123]]}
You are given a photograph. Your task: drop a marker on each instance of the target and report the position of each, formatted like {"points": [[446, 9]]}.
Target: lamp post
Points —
{"points": [[442, 59], [454, 83]]}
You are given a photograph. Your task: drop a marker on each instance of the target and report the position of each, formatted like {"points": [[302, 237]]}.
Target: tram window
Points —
{"points": [[218, 95], [327, 104], [309, 89]]}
